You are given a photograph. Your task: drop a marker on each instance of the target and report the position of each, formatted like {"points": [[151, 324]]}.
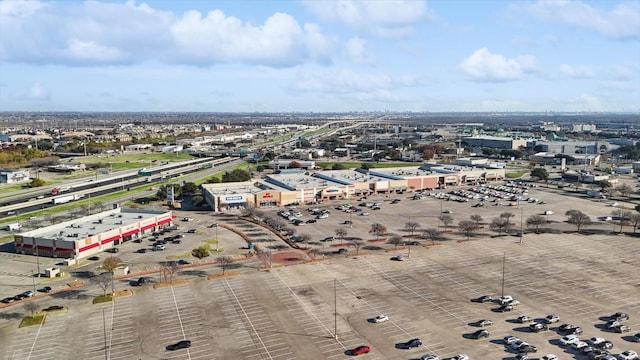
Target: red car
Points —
{"points": [[361, 350]]}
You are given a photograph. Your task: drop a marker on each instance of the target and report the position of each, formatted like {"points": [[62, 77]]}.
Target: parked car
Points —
{"points": [[342, 251], [524, 319], [112, 250], [549, 357], [636, 337], [605, 345], [192, 231], [510, 339], [622, 329], [28, 293], [504, 299], [141, 251], [628, 355], [398, 258], [380, 318], [46, 289], [360, 350], [327, 239], [504, 308], [429, 357], [569, 329], [619, 316], [596, 340], [568, 340], [460, 357], [158, 247], [413, 343], [53, 308], [537, 327], [484, 322], [8, 300], [527, 348], [553, 318], [484, 299], [183, 344], [480, 334]]}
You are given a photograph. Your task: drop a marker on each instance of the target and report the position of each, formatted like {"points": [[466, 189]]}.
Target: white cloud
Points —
{"points": [[482, 65], [34, 93], [109, 33], [585, 102], [621, 22], [357, 52], [385, 18], [576, 71]]}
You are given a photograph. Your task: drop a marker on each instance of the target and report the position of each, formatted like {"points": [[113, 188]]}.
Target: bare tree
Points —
{"points": [[476, 218], [395, 240], [578, 218], [111, 264], [31, 306], [103, 281], [446, 220], [341, 233], [251, 211], [499, 224], [634, 220], [625, 190], [315, 252], [305, 238], [467, 227], [356, 244], [411, 226], [377, 229], [432, 234], [623, 217], [100, 206], [225, 261], [536, 220], [168, 269], [507, 215], [85, 209]]}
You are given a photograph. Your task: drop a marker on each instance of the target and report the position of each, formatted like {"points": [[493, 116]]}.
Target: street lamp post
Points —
{"points": [[215, 225]]}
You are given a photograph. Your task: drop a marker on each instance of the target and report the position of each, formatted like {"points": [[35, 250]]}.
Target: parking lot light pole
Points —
{"points": [[335, 309], [215, 225]]}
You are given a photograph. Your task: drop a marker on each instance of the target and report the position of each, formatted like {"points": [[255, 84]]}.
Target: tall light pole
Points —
{"points": [[215, 225], [335, 309], [521, 223], [504, 259]]}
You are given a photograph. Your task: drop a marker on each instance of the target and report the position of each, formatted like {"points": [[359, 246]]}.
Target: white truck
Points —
{"points": [[66, 198], [596, 194], [13, 227]]}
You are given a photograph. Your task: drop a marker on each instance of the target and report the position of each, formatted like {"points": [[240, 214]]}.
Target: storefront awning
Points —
{"points": [[88, 247]]}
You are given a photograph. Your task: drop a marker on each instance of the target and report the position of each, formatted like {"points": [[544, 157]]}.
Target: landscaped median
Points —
{"points": [[112, 297], [34, 319], [180, 282]]}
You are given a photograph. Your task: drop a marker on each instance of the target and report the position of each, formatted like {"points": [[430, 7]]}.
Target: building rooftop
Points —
{"points": [[93, 224]]}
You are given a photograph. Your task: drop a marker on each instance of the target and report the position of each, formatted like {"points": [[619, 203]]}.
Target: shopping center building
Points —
{"points": [[79, 238]]}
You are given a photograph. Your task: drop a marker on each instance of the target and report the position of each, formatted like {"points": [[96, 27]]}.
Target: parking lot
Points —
{"points": [[289, 312]]}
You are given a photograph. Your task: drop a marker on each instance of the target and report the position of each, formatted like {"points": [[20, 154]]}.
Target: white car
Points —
{"points": [[579, 345], [569, 340], [596, 340], [460, 357], [549, 357], [364, 214], [513, 302], [510, 339], [518, 343], [628, 355], [553, 318], [380, 318], [429, 357], [159, 247], [505, 299]]}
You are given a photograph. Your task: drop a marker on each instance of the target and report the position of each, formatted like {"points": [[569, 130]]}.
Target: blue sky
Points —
{"points": [[320, 56]]}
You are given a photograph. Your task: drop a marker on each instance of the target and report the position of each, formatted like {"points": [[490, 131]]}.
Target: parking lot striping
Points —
{"points": [[308, 311], [33, 345], [175, 302], [246, 317], [384, 275]]}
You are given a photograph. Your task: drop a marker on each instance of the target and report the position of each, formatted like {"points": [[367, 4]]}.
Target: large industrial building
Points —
{"points": [[79, 238]]}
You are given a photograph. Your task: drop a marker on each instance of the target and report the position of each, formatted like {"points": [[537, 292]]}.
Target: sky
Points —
{"points": [[320, 56]]}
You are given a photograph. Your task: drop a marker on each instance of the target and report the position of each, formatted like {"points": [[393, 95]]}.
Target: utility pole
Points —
{"points": [[521, 223], [504, 258], [335, 309]]}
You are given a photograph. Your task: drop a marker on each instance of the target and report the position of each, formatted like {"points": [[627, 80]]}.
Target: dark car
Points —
{"points": [[141, 251], [53, 308], [327, 239], [526, 348], [480, 334], [412, 243], [484, 299], [184, 344], [537, 327], [141, 281], [504, 308], [360, 350], [94, 258], [619, 316], [8, 300], [605, 345], [183, 262], [137, 241], [413, 343], [311, 221], [342, 251], [569, 329], [176, 241], [46, 289], [112, 250], [192, 231]]}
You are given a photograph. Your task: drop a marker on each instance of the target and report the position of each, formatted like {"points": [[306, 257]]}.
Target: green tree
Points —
{"points": [[201, 252], [190, 188], [337, 166], [540, 174]]}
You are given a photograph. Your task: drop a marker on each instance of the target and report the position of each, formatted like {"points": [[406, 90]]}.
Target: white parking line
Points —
{"points": [[184, 336], [246, 316], [33, 345]]}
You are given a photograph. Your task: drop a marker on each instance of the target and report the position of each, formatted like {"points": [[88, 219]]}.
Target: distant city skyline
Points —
{"points": [[320, 56]]}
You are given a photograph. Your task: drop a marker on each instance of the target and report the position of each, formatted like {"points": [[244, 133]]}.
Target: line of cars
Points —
{"points": [[21, 296]]}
